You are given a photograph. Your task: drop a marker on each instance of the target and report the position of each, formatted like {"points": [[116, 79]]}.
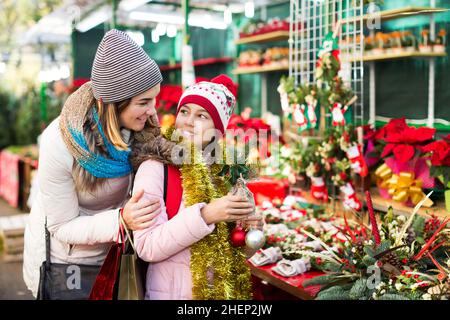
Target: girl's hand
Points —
{"points": [[140, 213], [227, 208]]}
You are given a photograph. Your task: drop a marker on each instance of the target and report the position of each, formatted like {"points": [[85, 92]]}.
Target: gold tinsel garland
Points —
{"points": [[219, 270]]}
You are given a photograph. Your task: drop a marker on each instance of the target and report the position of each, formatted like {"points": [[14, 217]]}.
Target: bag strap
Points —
{"points": [[172, 199], [122, 222], [165, 182], [47, 245]]}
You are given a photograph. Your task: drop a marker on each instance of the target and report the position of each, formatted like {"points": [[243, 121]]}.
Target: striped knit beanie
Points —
{"points": [[217, 96], [122, 69]]}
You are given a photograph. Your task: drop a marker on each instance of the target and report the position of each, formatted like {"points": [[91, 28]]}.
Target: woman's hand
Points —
{"points": [[227, 208], [140, 213]]}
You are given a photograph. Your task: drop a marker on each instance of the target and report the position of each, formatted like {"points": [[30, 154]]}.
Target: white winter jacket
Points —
{"points": [[82, 226]]}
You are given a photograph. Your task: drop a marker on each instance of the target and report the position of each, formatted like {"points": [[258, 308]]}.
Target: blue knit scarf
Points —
{"points": [[115, 165]]}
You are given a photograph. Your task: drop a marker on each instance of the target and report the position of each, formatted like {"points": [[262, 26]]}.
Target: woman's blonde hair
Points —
{"points": [[109, 119]]}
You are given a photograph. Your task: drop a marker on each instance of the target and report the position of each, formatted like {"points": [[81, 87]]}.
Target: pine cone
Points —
{"points": [[392, 259]]}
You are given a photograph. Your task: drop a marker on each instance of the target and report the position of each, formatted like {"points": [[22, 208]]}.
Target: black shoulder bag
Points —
{"points": [[60, 281]]}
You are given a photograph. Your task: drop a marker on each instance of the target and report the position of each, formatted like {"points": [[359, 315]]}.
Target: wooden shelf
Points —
{"points": [[265, 37], [198, 63], [381, 204], [260, 69], [396, 14], [394, 56]]}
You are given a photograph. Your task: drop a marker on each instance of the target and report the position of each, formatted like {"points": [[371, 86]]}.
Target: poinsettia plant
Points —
{"points": [[402, 141], [440, 159], [255, 133]]}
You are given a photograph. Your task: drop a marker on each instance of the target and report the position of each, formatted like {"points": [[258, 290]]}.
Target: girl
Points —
{"points": [[188, 246], [84, 175]]}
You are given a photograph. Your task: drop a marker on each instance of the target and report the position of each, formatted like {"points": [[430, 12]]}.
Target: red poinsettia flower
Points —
{"points": [[393, 126], [168, 96], [235, 122], [440, 152], [257, 124], [411, 135], [369, 132], [402, 139]]}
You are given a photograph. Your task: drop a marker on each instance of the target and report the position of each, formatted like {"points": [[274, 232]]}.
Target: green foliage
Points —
{"points": [[418, 225], [27, 124], [369, 251], [441, 171], [320, 280], [369, 261], [333, 267], [359, 289], [7, 111], [389, 217], [414, 295], [384, 245], [393, 296], [334, 293], [21, 118]]}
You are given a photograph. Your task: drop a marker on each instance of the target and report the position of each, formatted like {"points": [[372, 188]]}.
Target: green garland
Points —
{"points": [[213, 257]]}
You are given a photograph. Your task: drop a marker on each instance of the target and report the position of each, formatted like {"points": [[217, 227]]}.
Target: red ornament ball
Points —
{"points": [[237, 237]]}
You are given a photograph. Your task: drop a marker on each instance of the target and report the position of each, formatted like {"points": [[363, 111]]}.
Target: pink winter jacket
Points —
{"points": [[166, 243]]}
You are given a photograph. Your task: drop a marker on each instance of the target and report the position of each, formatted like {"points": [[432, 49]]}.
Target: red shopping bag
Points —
{"points": [[105, 285]]}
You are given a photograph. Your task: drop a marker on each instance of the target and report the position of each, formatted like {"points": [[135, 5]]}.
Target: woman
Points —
{"points": [[189, 258], [84, 175]]}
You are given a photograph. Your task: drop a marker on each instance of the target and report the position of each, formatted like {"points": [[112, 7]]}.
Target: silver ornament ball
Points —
{"points": [[255, 239]]}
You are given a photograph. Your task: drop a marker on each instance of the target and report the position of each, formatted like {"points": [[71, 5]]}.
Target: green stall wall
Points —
{"points": [[206, 43], [250, 94], [401, 85]]}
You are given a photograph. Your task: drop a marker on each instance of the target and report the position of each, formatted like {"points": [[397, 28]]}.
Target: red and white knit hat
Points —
{"points": [[217, 96]]}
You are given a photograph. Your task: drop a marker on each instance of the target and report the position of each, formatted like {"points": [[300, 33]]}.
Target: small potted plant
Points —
{"points": [[379, 44], [408, 42], [425, 45], [396, 42], [388, 43], [441, 42], [368, 46], [440, 164]]}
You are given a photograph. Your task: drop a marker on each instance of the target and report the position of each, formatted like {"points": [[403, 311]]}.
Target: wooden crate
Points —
{"points": [[28, 168], [12, 229]]}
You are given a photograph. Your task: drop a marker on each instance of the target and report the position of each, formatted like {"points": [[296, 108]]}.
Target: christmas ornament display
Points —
{"points": [[255, 239], [238, 237]]}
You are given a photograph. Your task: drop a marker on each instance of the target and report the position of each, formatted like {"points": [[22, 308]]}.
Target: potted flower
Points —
{"points": [[440, 164], [439, 45], [379, 46], [396, 42], [408, 42], [425, 45], [405, 171]]}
